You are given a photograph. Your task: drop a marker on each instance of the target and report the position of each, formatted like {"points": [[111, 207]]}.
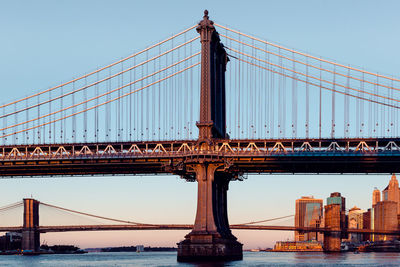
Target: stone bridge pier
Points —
{"points": [[30, 234], [211, 237]]}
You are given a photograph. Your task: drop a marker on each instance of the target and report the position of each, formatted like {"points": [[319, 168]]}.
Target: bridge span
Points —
{"points": [[208, 111], [157, 227]]}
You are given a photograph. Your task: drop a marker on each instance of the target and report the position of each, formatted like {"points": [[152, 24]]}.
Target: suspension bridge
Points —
{"points": [[209, 106], [31, 228]]}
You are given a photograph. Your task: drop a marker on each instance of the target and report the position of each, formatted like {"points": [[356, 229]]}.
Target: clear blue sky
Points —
{"points": [[45, 42]]}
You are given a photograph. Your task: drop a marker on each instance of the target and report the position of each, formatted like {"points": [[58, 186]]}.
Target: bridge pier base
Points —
{"points": [[30, 235], [30, 240], [211, 238]]}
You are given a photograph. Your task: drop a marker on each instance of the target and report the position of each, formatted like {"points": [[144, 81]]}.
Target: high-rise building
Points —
{"points": [[385, 218], [367, 224], [332, 218], [308, 214], [392, 192], [385, 214], [376, 196], [336, 198], [355, 221]]}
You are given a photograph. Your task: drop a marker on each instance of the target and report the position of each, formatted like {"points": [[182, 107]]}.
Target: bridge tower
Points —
{"points": [[211, 237], [30, 234]]}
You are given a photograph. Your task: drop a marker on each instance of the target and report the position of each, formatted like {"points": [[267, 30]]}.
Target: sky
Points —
{"points": [[45, 42]]}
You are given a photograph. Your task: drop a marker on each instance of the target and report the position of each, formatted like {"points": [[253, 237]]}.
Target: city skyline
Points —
{"points": [[247, 199]]}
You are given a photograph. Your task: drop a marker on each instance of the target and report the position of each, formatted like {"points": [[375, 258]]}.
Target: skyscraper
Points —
{"points": [[376, 196], [356, 222], [385, 213], [385, 218], [308, 214], [392, 192], [336, 198]]}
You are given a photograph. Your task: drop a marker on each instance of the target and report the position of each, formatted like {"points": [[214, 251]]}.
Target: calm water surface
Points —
{"points": [[169, 259]]}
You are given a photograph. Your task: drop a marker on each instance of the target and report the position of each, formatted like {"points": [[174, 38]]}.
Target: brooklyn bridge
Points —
{"points": [[209, 104]]}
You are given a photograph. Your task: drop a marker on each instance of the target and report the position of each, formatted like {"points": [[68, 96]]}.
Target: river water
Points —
{"points": [[120, 259]]}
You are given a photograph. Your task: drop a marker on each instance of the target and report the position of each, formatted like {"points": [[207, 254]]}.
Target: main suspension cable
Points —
{"points": [[101, 95], [317, 85], [307, 55], [267, 220], [309, 65], [313, 77], [99, 81], [94, 216], [101, 104], [100, 69]]}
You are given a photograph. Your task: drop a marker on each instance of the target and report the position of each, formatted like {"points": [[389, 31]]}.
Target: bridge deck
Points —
{"points": [[241, 156], [78, 228]]}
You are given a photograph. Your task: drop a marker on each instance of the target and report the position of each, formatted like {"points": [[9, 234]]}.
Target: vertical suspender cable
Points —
{"points": [[130, 107], [85, 121], [27, 118], [267, 98], [159, 96], [239, 98], [333, 103], [280, 104], [96, 110], [38, 121], [361, 132], [146, 106], [347, 106], [307, 102], [320, 101]]}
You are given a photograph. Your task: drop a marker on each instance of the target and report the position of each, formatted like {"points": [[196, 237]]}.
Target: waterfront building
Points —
{"points": [[356, 221], [367, 224], [10, 241], [312, 245], [308, 214], [332, 221], [337, 198], [392, 192], [385, 218], [385, 214]]}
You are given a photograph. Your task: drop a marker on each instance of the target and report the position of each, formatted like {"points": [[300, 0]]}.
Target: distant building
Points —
{"points": [[356, 221], [332, 220], [10, 241], [308, 214], [385, 214], [385, 218], [298, 246], [336, 198], [367, 224], [392, 192], [376, 196]]}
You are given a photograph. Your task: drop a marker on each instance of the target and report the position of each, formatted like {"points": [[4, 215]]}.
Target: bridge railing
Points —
{"points": [[190, 148]]}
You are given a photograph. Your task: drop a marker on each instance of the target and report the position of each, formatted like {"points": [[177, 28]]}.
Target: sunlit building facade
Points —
{"points": [[385, 214], [337, 198], [308, 214], [356, 221]]}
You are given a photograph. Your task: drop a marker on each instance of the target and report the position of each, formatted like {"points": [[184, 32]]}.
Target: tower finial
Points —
{"points": [[205, 14], [205, 23]]}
